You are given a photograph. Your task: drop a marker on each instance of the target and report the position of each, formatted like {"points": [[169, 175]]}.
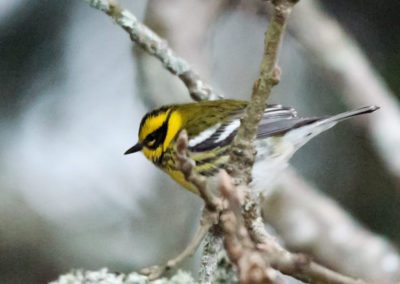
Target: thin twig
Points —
{"points": [[154, 45], [242, 153], [302, 268], [186, 165], [156, 271]]}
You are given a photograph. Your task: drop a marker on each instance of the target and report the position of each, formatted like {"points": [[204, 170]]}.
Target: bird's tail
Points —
{"points": [[301, 135], [345, 115]]}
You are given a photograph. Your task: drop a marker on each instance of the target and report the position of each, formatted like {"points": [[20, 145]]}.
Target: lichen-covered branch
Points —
{"points": [[256, 262], [105, 276], [154, 45], [213, 248]]}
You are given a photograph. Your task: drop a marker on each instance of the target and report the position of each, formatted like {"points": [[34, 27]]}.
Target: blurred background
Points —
{"points": [[73, 91]]}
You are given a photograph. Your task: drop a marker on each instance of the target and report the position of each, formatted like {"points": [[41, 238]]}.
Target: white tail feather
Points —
{"points": [[348, 114], [303, 134]]}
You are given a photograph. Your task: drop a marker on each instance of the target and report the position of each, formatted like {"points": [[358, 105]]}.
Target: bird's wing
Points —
{"points": [[221, 134], [278, 120]]}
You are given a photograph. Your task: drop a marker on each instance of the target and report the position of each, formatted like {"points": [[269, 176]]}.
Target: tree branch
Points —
{"points": [[255, 261], [242, 152], [154, 45], [212, 255], [307, 220]]}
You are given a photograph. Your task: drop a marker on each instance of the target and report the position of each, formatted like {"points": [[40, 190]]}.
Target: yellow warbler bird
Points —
{"points": [[211, 127]]}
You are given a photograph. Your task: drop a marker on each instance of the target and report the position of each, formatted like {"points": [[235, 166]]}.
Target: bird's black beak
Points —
{"points": [[134, 149]]}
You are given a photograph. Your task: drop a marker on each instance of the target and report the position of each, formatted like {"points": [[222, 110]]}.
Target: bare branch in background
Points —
{"points": [[350, 72], [188, 36], [154, 45], [310, 222]]}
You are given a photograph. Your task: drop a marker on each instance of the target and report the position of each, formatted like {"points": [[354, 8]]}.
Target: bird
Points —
{"points": [[211, 127]]}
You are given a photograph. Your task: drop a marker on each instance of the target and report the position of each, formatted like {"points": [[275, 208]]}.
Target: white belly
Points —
{"points": [[273, 155]]}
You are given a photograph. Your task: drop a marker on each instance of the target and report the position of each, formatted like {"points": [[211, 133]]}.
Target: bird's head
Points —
{"points": [[157, 129]]}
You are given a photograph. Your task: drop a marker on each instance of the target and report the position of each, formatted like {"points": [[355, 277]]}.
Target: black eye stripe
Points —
{"points": [[158, 135]]}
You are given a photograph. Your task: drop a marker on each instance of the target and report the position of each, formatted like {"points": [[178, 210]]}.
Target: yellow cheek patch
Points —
{"points": [[174, 126], [152, 155]]}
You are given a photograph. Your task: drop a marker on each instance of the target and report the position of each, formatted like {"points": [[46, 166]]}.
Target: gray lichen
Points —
{"points": [[103, 276]]}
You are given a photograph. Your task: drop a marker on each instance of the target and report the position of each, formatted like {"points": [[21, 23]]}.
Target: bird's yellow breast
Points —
{"points": [[175, 124], [179, 177]]}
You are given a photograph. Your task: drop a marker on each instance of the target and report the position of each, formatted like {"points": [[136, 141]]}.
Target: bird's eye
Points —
{"points": [[150, 140]]}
